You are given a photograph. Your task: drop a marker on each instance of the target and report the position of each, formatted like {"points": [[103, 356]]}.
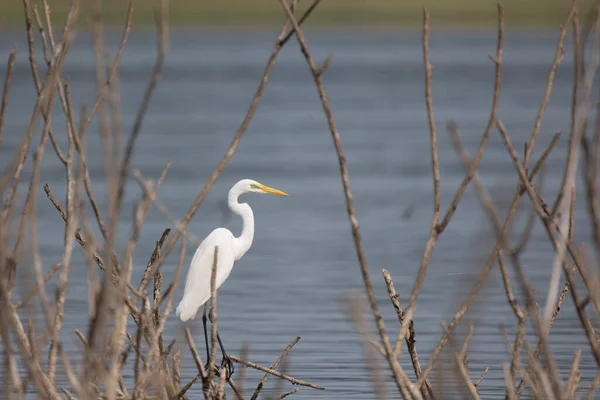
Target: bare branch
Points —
{"points": [[276, 373], [274, 366], [7, 80]]}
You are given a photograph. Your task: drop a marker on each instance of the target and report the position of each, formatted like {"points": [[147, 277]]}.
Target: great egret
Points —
{"points": [[230, 249]]}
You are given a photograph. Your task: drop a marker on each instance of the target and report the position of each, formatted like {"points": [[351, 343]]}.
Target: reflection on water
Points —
{"points": [[302, 262]]}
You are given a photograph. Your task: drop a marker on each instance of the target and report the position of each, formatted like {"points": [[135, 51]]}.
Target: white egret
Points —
{"points": [[197, 289]]}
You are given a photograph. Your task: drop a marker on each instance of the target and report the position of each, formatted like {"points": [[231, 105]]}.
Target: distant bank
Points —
{"points": [[334, 13]]}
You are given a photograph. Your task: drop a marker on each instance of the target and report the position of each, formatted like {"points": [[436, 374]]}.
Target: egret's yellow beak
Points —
{"points": [[270, 190]]}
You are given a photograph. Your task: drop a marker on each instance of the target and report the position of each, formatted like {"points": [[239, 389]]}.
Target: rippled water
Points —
{"points": [[302, 263]]}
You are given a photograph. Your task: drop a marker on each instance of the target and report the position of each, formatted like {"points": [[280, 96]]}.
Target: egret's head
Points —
{"points": [[250, 186]]}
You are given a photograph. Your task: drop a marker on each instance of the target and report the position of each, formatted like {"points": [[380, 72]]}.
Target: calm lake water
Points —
{"points": [[302, 264]]}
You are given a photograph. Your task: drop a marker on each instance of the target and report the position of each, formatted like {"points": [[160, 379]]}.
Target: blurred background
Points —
{"points": [[302, 264], [332, 13]]}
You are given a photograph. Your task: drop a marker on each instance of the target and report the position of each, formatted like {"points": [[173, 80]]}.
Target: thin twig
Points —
{"points": [[549, 224], [410, 339], [471, 170], [162, 33], [7, 80], [276, 373], [36, 289], [593, 387], [573, 160], [283, 396], [461, 367], [355, 310], [557, 59], [434, 231], [113, 69], [483, 374], [574, 376], [45, 93], [402, 382], [274, 366], [187, 387]]}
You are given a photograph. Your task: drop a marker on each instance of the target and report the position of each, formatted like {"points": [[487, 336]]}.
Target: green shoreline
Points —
{"points": [[331, 13]]}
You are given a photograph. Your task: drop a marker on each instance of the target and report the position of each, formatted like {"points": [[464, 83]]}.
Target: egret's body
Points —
{"points": [[197, 284], [230, 249]]}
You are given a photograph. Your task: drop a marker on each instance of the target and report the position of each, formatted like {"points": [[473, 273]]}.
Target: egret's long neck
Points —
{"points": [[244, 241]]}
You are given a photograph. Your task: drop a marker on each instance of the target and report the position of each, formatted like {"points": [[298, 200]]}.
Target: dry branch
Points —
{"points": [[276, 373], [274, 366], [572, 164], [7, 80], [402, 382], [410, 338]]}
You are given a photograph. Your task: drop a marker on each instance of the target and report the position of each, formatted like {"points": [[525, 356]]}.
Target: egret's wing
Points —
{"points": [[197, 283]]}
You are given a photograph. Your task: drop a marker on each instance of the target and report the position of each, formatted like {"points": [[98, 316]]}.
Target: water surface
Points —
{"points": [[302, 263]]}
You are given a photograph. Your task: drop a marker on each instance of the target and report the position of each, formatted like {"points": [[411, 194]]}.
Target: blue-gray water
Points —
{"points": [[302, 263]]}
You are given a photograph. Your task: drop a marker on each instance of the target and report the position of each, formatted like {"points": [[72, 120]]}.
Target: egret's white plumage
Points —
{"points": [[231, 249]]}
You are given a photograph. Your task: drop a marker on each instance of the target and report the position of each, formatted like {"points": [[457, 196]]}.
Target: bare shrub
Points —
{"points": [[111, 351]]}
